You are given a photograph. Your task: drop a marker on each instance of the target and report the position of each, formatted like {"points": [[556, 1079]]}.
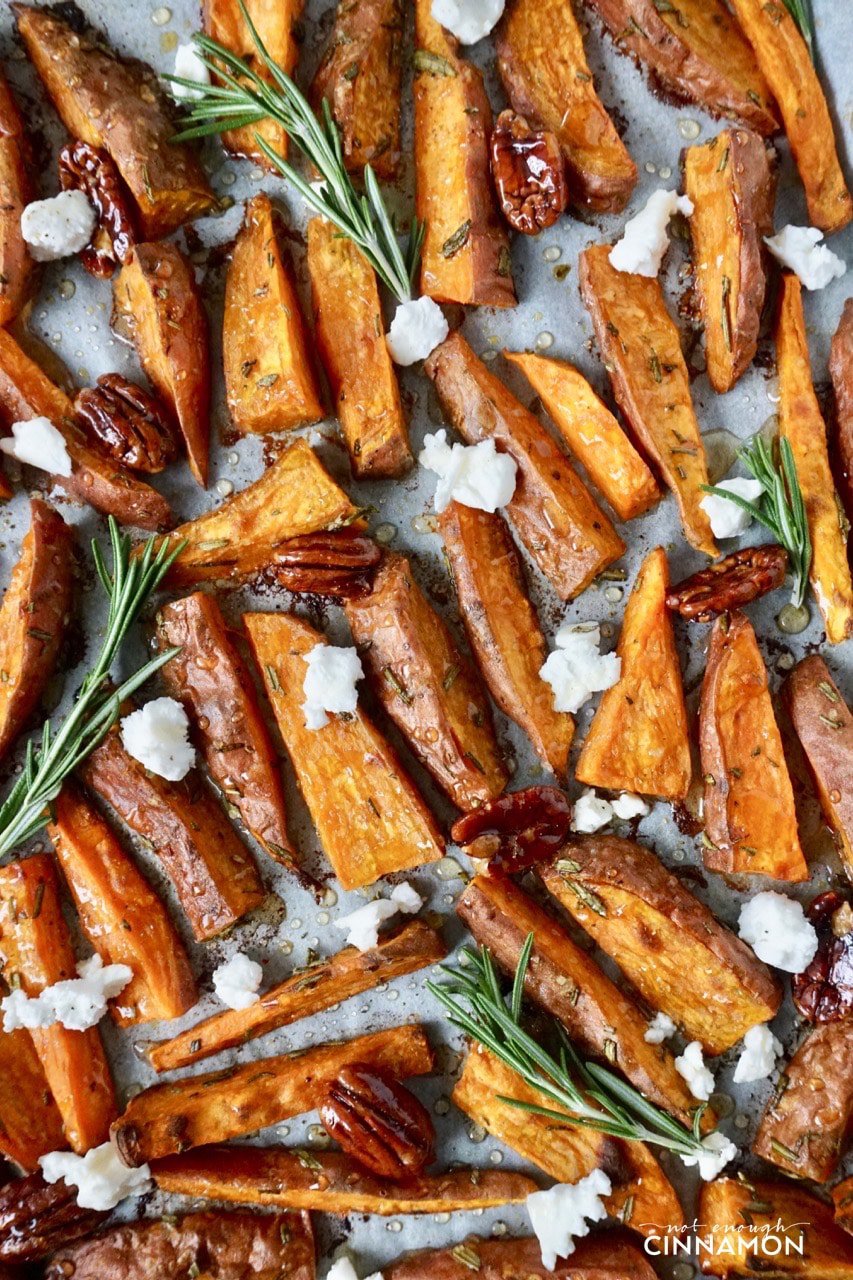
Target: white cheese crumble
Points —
{"points": [[468, 20], [40, 444], [362, 925], [474, 474], [720, 1152], [799, 249], [590, 813], [628, 807], [577, 669], [58, 227], [77, 1003], [237, 981], [417, 329], [189, 66], [758, 1058], [406, 899], [342, 1269], [645, 240], [728, 520], [776, 928], [157, 735], [659, 1029], [563, 1213], [329, 684], [690, 1065], [101, 1177]]}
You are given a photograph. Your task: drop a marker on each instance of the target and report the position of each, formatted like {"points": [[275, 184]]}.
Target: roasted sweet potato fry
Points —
{"points": [[670, 946], [17, 269], [198, 1110], [30, 1123], [841, 372], [36, 951], [638, 739], [609, 1257], [466, 254], [842, 1198], [543, 66], [554, 514], [368, 814], [733, 190]]}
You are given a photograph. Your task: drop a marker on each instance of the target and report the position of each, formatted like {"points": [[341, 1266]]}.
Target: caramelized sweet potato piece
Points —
{"points": [[36, 951], [30, 1123], [841, 372], [638, 739], [842, 1198], [733, 190], [609, 1257], [369, 816], [669, 945], [17, 268], [547, 78]]}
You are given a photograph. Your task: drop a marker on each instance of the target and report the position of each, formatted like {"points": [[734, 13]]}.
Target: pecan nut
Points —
{"points": [[340, 564], [516, 829], [378, 1122], [737, 580], [529, 174], [823, 992], [128, 423], [37, 1218], [93, 171]]}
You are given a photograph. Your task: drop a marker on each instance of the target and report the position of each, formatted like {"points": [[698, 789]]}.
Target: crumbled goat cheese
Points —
{"points": [[720, 1152], [189, 66], [40, 444], [645, 240], [342, 1269], [238, 981], [728, 520], [329, 684], [157, 735], [58, 227], [468, 20], [776, 928], [417, 329], [627, 807], [577, 669], [101, 1177], [690, 1065], [799, 249], [659, 1029], [406, 899], [77, 1003], [760, 1051], [362, 925], [562, 1213], [474, 474], [590, 813]]}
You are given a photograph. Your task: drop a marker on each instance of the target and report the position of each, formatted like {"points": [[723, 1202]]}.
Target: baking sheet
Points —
{"points": [[72, 316]]}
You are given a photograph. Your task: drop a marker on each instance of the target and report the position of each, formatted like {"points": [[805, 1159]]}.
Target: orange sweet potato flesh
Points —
{"points": [[36, 951], [591, 433], [427, 686], [733, 191], [638, 738], [566, 532], [669, 945], [466, 254], [121, 915], [350, 337], [368, 813], [269, 378], [604, 1257], [547, 78], [750, 817], [306, 992], [18, 271], [641, 349], [841, 372], [503, 629], [203, 1109], [30, 1123], [802, 424], [785, 60]]}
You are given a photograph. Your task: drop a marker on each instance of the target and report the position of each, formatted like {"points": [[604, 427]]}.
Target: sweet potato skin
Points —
{"points": [[30, 1123], [604, 1258], [671, 947], [841, 372], [842, 1198], [18, 271]]}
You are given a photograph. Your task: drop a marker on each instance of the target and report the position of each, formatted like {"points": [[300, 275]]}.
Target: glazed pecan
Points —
{"points": [[341, 563], [823, 992], [737, 580], [36, 1218], [516, 829], [93, 171], [378, 1122], [529, 174], [131, 425]]}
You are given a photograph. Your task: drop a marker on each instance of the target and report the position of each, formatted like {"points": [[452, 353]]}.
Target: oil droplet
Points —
{"points": [[323, 917], [224, 488], [499, 1228], [385, 533], [785, 662], [552, 253], [330, 898], [741, 1121], [161, 16], [496, 1157], [544, 340], [394, 1226], [614, 594], [722, 1104], [423, 524], [683, 1271], [234, 458], [67, 288], [769, 428], [792, 619], [488, 355], [228, 177], [477, 1133], [168, 41], [317, 1136], [284, 1131], [721, 450], [286, 948], [665, 172], [689, 129], [441, 1106], [442, 1217], [773, 393], [649, 167], [449, 869], [296, 924]]}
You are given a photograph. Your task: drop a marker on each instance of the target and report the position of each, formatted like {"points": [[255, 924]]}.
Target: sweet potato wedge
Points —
{"points": [[36, 951], [638, 739], [214, 874], [591, 433], [567, 534], [547, 78], [669, 945], [841, 372], [18, 271], [361, 78], [198, 1110], [269, 379], [787, 65], [30, 1123], [304, 993], [33, 617], [733, 190], [369, 816], [466, 254], [749, 812], [120, 914], [609, 1257], [801, 423], [427, 686], [842, 1198], [120, 105], [641, 350], [350, 337]]}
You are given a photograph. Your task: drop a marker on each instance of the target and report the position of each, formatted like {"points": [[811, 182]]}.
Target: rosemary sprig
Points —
{"points": [[240, 97], [780, 508], [800, 11], [585, 1093], [96, 707]]}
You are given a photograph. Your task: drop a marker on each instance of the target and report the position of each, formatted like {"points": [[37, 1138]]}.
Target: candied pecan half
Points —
{"points": [[378, 1122], [529, 174], [516, 829], [341, 563], [823, 992], [737, 580], [37, 1218], [89, 169], [131, 425]]}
